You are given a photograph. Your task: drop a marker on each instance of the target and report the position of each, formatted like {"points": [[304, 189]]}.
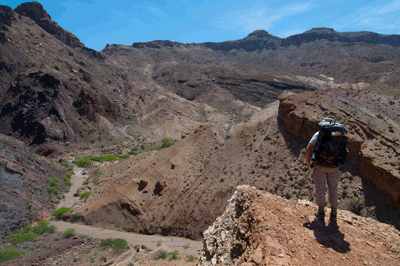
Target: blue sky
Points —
{"points": [[98, 22]]}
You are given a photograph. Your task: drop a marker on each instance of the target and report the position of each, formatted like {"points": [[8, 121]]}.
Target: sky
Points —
{"points": [[98, 22]]}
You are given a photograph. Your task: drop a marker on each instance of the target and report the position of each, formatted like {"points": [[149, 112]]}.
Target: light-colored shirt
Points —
{"points": [[314, 139]]}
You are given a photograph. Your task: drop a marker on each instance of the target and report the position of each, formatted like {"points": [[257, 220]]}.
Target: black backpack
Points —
{"points": [[331, 150]]}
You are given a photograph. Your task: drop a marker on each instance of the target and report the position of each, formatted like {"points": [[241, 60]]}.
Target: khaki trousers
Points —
{"points": [[323, 175]]}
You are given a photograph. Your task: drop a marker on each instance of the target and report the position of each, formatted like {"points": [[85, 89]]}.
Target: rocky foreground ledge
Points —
{"points": [[259, 228]]}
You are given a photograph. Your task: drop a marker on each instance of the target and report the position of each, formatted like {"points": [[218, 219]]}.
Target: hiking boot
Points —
{"points": [[320, 216], [333, 218]]}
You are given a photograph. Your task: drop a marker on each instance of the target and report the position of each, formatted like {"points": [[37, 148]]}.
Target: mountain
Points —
{"points": [[240, 112], [260, 40]]}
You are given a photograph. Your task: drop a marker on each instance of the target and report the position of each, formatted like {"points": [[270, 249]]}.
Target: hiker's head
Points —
{"points": [[328, 120]]}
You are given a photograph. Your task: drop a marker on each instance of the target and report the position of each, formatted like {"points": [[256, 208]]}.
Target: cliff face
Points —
{"points": [[36, 12], [24, 178], [373, 131], [259, 228]]}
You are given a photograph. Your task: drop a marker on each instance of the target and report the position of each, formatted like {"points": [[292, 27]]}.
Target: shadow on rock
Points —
{"points": [[329, 236]]}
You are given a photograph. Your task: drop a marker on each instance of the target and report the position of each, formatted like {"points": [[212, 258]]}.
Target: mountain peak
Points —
{"points": [[259, 34], [33, 10], [321, 30]]}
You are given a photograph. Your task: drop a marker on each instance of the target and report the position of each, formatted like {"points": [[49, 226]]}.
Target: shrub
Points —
{"points": [[7, 254], [173, 255], [52, 191], [166, 142], [158, 243], [117, 245], [124, 156], [191, 258], [86, 181], [83, 162], [104, 158], [68, 233], [186, 246], [44, 227], [67, 181], [66, 165], [85, 148], [160, 254], [355, 205], [85, 195], [59, 212], [20, 238]]}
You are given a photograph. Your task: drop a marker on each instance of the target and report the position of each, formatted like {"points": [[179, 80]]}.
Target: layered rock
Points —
{"points": [[373, 132]]}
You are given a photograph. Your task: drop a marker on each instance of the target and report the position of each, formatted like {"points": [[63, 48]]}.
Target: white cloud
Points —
{"points": [[261, 17], [158, 12], [381, 17]]}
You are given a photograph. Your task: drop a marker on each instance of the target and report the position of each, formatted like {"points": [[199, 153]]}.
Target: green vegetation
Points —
{"points": [[84, 195], [173, 255], [85, 148], [7, 254], [67, 166], [117, 245], [166, 142], [67, 181], [54, 186], [28, 234], [60, 212], [21, 237], [124, 156], [186, 246], [68, 233], [160, 254], [43, 227], [85, 161], [191, 258], [158, 243]]}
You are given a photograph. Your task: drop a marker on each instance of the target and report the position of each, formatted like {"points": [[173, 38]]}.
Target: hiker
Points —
{"points": [[327, 150]]}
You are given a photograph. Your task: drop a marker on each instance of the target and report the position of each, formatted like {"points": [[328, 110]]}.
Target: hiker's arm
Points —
{"points": [[309, 148]]}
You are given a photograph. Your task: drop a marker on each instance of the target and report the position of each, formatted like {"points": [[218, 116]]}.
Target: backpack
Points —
{"points": [[331, 148]]}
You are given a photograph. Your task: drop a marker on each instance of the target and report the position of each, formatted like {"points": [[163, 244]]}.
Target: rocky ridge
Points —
{"points": [[259, 228]]}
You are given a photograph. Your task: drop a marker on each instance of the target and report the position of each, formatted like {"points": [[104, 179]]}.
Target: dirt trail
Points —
{"points": [[154, 242], [77, 178]]}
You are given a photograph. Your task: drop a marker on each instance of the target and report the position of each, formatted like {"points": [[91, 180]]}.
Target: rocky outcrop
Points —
{"points": [[36, 109], [24, 178], [5, 15], [36, 12], [225, 241], [373, 132], [259, 228]]}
